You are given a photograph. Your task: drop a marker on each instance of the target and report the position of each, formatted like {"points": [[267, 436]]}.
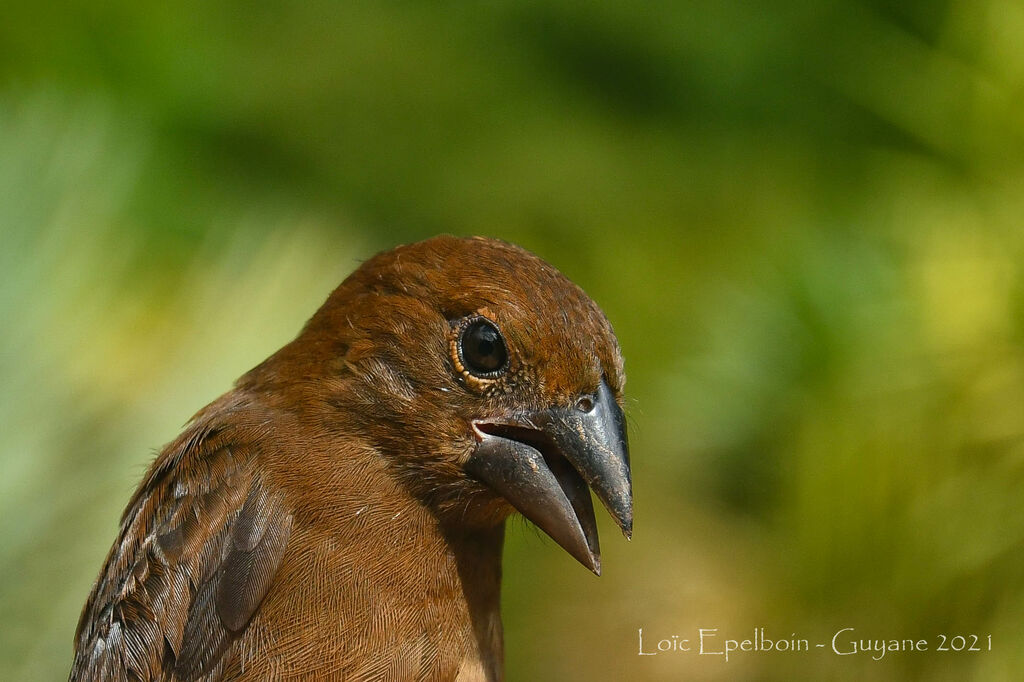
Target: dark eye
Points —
{"points": [[482, 349]]}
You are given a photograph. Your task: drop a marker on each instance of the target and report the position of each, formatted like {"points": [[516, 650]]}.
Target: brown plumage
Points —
{"points": [[340, 513]]}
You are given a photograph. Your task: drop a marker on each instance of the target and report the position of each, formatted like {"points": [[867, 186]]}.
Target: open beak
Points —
{"points": [[543, 463]]}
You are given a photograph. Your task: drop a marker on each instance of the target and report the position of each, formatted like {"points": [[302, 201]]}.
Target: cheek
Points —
{"points": [[420, 359], [463, 447]]}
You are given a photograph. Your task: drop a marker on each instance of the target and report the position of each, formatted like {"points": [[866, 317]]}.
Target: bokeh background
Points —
{"points": [[803, 219]]}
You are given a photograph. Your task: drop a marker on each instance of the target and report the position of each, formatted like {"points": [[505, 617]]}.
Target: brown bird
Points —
{"points": [[339, 514]]}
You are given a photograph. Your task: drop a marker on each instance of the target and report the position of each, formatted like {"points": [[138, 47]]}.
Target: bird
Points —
{"points": [[340, 513]]}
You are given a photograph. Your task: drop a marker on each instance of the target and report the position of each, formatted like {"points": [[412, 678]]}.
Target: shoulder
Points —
{"points": [[198, 547]]}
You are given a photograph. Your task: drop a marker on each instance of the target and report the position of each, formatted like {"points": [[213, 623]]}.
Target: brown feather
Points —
{"points": [[316, 521], [151, 612]]}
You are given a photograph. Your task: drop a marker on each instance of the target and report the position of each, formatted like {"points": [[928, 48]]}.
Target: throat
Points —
{"points": [[477, 555]]}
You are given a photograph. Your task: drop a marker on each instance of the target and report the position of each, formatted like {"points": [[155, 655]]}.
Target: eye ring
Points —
{"points": [[481, 348]]}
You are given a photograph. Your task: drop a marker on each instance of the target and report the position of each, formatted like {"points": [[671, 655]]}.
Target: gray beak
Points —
{"points": [[543, 463]]}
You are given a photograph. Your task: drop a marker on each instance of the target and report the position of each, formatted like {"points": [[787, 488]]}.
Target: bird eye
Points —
{"points": [[481, 349]]}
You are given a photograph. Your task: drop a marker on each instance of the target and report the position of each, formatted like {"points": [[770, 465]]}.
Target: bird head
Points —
{"points": [[487, 379]]}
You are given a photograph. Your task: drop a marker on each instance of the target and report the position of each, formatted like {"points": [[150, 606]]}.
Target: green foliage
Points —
{"points": [[803, 219]]}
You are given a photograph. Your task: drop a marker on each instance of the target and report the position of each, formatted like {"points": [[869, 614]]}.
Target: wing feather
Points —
{"points": [[198, 548]]}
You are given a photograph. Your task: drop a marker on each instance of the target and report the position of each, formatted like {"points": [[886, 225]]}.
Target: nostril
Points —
{"points": [[585, 404]]}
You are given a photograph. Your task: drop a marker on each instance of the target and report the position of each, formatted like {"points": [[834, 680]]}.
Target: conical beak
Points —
{"points": [[544, 462]]}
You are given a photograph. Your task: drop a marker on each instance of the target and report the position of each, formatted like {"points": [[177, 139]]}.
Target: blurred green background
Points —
{"points": [[803, 219]]}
